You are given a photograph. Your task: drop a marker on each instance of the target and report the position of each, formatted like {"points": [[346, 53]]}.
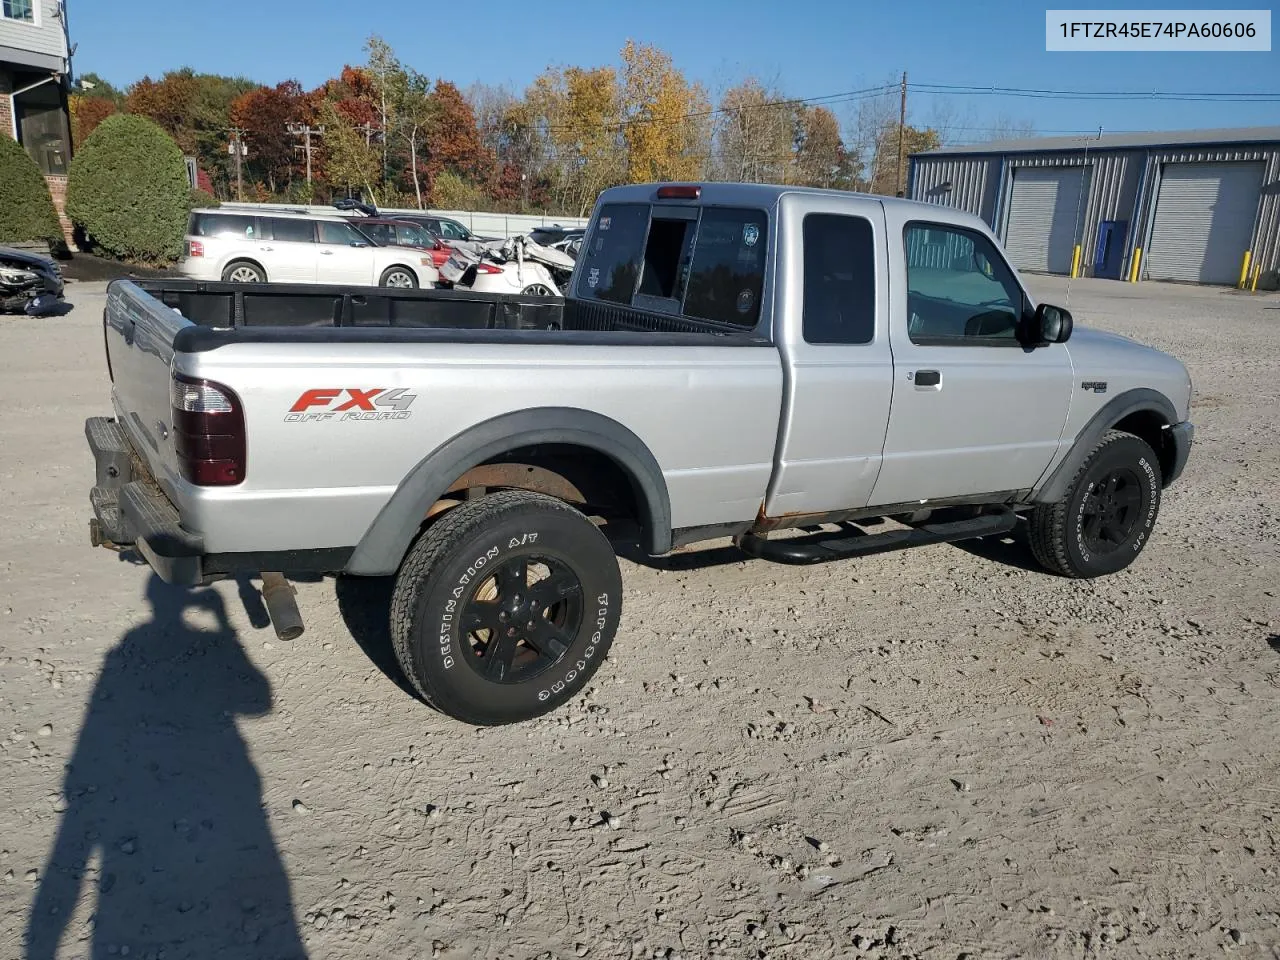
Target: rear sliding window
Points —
{"points": [[612, 263], [705, 263], [223, 225]]}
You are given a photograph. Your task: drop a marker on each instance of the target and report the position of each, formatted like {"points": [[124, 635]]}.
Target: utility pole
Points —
{"points": [[902, 143], [306, 132], [239, 150]]}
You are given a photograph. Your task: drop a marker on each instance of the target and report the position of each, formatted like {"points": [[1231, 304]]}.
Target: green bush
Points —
{"points": [[26, 209], [202, 200], [127, 188]]}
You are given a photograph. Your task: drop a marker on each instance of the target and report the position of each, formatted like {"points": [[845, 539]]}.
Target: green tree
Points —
{"points": [[26, 209], [127, 188], [350, 159]]}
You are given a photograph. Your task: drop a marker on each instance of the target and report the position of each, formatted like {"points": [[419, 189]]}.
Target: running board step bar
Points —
{"points": [[841, 546]]}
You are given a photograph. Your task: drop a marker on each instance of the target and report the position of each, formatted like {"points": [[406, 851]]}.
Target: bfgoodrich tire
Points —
{"points": [[1107, 515], [505, 608]]}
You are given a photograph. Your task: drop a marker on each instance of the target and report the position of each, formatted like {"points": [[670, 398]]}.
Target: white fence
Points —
{"points": [[482, 224]]}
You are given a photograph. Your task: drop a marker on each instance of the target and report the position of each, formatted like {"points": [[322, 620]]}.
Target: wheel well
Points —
{"points": [[249, 260], [1149, 425], [403, 266], [588, 479]]}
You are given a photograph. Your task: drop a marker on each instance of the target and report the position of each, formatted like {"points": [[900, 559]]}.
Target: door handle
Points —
{"points": [[926, 379], [326, 253]]}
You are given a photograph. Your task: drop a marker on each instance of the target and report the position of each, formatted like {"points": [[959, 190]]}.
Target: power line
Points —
{"points": [[826, 99], [1048, 94]]}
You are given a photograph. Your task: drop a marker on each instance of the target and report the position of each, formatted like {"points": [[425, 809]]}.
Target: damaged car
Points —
{"points": [[29, 283]]}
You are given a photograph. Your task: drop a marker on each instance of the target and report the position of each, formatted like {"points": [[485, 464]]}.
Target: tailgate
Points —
{"points": [[140, 331]]}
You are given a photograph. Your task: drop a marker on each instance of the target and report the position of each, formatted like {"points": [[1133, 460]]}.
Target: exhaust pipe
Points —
{"points": [[279, 596]]}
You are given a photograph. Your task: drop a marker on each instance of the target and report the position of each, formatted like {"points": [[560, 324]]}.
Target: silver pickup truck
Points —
{"points": [[818, 375]]}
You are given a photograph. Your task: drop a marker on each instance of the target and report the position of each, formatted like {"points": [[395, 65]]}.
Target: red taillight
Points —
{"points": [[208, 432], [681, 192], [195, 248], [487, 268]]}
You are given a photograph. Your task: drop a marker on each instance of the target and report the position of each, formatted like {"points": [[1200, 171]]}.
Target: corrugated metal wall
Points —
{"points": [[1122, 185], [965, 183]]}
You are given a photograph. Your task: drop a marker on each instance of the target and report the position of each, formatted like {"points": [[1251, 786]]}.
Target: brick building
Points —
{"points": [[35, 74]]}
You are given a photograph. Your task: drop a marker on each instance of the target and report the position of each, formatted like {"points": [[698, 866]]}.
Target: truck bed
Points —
{"points": [[297, 307]]}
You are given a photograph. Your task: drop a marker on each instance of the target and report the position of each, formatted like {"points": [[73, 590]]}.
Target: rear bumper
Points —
{"points": [[1183, 435], [130, 510]]}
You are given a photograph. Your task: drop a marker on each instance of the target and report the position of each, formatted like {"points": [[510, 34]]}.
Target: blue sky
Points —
{"points": [[808, 48]]}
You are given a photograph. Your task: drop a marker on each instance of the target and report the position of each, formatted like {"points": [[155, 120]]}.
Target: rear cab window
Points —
{"points": [[705, 263]]}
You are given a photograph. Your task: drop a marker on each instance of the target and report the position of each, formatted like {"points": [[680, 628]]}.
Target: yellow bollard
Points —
{"points": [[1244, 270], [1075, 261], [1257, 272], [1137, 260]]}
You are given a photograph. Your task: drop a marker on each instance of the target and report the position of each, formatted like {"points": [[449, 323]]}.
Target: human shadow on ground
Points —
{"points": [[162, 793]]}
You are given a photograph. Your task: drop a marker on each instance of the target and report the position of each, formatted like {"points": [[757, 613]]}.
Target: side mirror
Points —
{"points": [[1052, 324]]}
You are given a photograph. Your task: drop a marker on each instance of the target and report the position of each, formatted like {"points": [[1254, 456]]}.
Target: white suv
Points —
{"points": [[248, 247]]}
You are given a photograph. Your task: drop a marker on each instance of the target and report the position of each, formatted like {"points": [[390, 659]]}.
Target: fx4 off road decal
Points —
{"points": [[351, 403]]}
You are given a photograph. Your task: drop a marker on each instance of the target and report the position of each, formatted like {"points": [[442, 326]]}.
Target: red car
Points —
{"points": [[391, 232]]}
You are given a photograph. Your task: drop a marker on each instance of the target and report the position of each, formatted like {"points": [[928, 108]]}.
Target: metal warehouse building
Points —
{"points": [[1198, 205]]}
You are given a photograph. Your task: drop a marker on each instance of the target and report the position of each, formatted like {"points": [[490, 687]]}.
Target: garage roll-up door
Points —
{"points": [[1204, 221], [1040, 233]]}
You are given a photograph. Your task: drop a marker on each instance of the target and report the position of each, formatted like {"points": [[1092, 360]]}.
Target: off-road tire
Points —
{"points": [[1058, 532], [446, 570]]}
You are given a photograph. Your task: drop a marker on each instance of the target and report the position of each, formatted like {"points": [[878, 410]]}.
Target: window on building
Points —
{"points": [[19, 10], [959, 289]]}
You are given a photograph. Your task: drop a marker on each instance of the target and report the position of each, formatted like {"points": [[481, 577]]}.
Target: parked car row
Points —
{"points": [[358, 245], [246, 247]]}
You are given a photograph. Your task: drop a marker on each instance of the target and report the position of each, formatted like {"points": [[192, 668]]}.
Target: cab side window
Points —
{"points": [[839, 279], [960, 291]]}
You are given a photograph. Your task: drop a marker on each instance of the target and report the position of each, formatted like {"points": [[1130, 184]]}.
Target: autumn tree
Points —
{"points": [[574, 112], [665, 119], [350, 159], [194, 109], [94, 87], [265, 114], [86, 114], [886, 176], [821, 159], [755, 134]]}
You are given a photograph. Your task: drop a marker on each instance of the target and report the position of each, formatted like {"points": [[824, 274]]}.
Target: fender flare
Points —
{"points": [[1054, 487], [385, 543]]}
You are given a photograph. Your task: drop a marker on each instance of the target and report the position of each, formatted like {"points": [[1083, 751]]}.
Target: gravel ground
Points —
{"points": [[941, 753]]}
